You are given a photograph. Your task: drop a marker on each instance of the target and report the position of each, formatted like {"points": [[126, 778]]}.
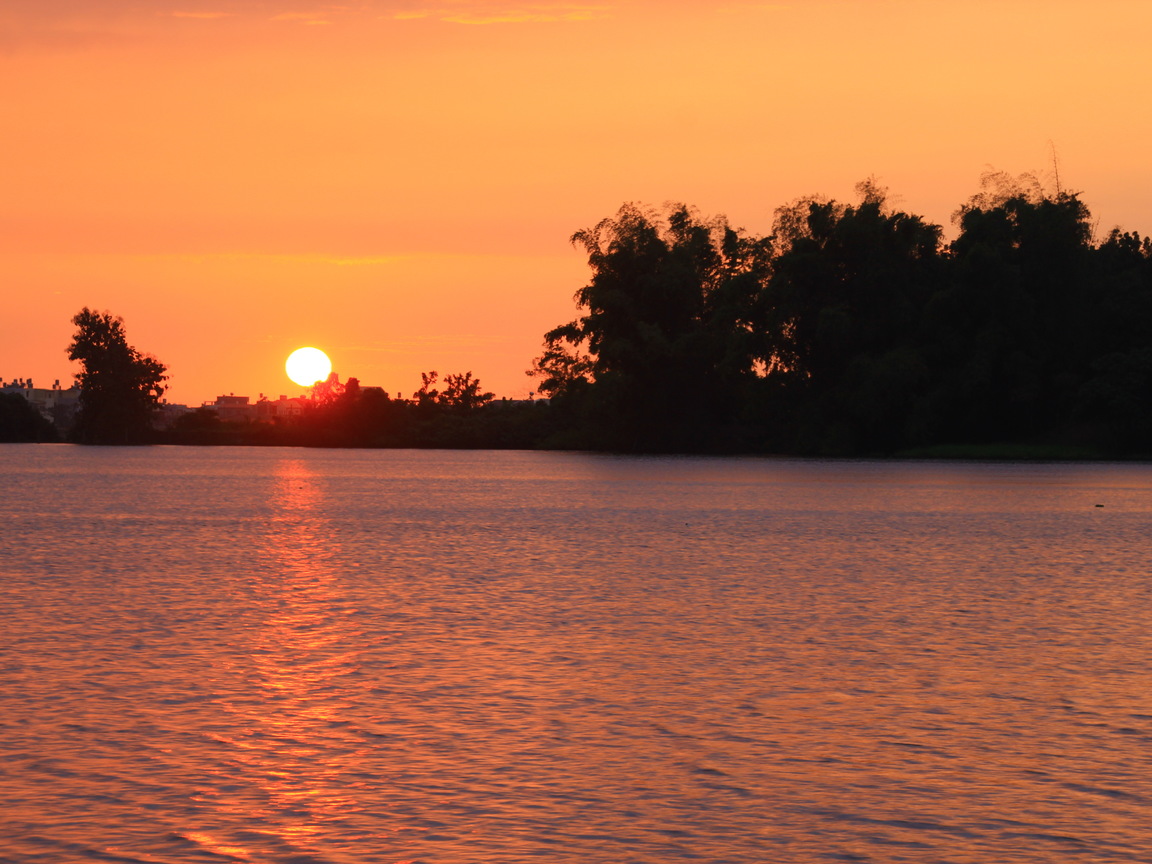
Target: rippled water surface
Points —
{"points": [[266, 655]]}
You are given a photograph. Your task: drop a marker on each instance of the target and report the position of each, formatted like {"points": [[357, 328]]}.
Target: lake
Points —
{"points": [[288, 655]]}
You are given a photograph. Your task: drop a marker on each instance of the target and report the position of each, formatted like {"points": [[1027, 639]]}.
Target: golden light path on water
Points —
{"points": [[271, 655], [293, 661]]}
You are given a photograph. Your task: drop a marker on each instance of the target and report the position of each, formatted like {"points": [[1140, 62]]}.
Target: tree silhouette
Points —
{"points": [[1013, 325], [669, 334], [848, 287], [428, 394], [854, 330], [119, 387], [462, 392], [20, 421]]}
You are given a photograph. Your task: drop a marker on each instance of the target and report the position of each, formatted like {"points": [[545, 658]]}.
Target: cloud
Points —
{"points": [[525, 16], [506, 13], [294, 258], [68, 13], [206, 16], [78, 24], [51, 15], [303, 17]]}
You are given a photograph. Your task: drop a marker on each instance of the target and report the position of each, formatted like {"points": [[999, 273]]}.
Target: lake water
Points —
{"points": [[281, 655]]}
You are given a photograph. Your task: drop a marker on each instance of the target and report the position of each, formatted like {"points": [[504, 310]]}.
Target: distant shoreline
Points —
{"points": [[1003, 453]]}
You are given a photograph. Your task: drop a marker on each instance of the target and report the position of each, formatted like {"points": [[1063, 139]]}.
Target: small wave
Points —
{"points": [[1102, 791], [217, 849]]}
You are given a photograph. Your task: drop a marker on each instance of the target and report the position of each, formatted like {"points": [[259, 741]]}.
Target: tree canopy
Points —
{"points": [[855, 329], [672, 330], [120, 388]]}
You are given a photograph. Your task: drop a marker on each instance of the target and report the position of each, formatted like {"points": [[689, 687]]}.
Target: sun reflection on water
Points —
{"points": [[349, 657], [295, 746]]}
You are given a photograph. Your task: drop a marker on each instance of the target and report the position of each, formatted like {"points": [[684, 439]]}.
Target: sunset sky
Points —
{"points": [[395, 181]]}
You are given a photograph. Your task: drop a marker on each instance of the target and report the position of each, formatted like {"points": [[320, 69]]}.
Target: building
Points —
{"points": [[55, 404], [239, 409], [233, 409], [168, 413], [280, 409]]}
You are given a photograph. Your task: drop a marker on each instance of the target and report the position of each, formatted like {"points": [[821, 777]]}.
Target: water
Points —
{"points": [[266, 655]]}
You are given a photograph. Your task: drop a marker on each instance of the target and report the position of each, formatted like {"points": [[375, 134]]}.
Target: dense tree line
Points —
{"points": [[453, 412], [852, 329], [855, 329]]}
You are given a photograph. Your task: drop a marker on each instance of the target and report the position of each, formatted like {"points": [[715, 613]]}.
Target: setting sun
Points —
{"points": [[306, 366]]}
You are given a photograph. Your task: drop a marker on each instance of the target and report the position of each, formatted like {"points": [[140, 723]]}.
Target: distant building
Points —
{"points": [[240, 409], [233, 409], [280, 409], [55, 404], [168, 413]]}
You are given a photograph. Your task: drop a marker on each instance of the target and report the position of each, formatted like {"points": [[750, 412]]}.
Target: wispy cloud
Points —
{"points": [[85, 15], [294, 258], [753, 6], [403, 346], [488, 13], [204, 16], [77, 24], [310, 18]]}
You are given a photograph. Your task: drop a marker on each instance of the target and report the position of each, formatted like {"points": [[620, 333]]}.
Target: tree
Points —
{"points": [[563, 369], [853, 329], [1015, 326], [20, 421], [461, 392], [328, 391], [119, 387], [848, 287], [428, 394], [670, 334]]}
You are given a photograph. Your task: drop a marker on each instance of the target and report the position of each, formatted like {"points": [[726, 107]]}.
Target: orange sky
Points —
{"points": [[395, 181]]}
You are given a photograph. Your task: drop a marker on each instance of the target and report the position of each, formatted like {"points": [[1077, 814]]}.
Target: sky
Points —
{"points": [[396, 181]]}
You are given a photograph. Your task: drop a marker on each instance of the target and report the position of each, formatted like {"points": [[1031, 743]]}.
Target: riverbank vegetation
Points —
{"points": [[348, 415], [852, 329]]}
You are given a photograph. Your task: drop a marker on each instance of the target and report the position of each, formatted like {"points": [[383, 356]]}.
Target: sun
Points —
{"points": [[306, 366]]}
